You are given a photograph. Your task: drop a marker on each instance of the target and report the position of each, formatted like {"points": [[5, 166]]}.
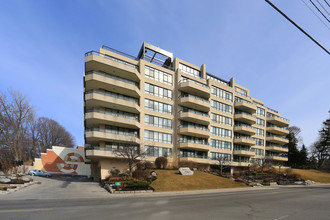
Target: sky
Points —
{"points": [[43, 43]]}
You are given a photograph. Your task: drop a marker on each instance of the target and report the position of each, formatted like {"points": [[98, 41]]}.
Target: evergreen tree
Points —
{"points": [[303, 157], [293, 155]]}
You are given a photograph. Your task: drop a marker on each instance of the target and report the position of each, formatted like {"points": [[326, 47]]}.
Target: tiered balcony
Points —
{"points": [[276, 148], [194, 102], [244, 129], [244, 153], [246, 106], [277, 120], [194, 117], [195, 159], [97, 152], [193, 146], [95, 117], [95, 98], [116, 65], [277, 130], [96, 80], [278, 158], [194, 87], [194, 131], [96, 135], [244, 141], [245, 117], [277, 139]]}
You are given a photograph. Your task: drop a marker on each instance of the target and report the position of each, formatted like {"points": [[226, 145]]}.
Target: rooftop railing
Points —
{"points": [[119, 52]]}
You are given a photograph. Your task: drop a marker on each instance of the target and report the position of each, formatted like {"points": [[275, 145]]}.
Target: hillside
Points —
{"points": [[314, 175]]}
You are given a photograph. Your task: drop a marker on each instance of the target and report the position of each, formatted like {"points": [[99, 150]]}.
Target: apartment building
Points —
{"points": [[170, 107]]}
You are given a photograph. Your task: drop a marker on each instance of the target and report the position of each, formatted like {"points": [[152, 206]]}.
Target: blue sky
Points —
{"points": [[43, 45]]}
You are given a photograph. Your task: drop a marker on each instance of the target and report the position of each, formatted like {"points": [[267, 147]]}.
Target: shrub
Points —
{"points": [[114, 172], [140, 165], [161, 162], [140, 174], [136, 185], [148, 165]]}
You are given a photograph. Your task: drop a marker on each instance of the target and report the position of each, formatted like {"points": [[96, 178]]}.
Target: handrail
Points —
{"points": [[112, 132], [244, 125], [193, 126], [274, 126], [119, 52], [196, 156], [274, 135], [193, 142], [276, 116], [195, 112], [113, 77], [244, 113], [136, 118]]}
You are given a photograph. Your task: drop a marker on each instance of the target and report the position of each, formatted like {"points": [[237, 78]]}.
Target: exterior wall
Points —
{"points": [[63, 160], [134, 70]]}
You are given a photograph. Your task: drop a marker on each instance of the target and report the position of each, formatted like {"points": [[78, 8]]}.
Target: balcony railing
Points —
{"points": [[274, 126], [114, 95], [193, 81], [194, 126], [136, 118], [274, 135], [195, 97], [111, 58], [113, 77], [195, 156], [244, 125], [133, 134], [244, 113], [276, 116], [193, 142], [274, 145], [195, 112], [243, 137]]}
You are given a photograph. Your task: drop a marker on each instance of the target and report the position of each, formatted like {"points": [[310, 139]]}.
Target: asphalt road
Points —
{"points": [[308, 202]]}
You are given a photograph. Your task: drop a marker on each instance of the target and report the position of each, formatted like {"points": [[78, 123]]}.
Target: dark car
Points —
{"points": [[39, 173]]}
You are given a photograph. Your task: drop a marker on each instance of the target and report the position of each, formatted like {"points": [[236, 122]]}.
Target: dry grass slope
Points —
{"points": [[315, 175], [172, 180]]}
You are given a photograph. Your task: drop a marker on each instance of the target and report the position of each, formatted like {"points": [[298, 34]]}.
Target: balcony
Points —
{"points": [[96, 117], [276, 120], [246, 106], [96, 80], [244, 153], [95, 98], [244, 141], [96, 135], [194, 117], [193, 87], [279, 158], [111, 64], [279, 149], [97, 152], [277, 130], [277, 139], [243, 129], [245, 117], [194, 102], [195, 159], [194, 131], [193, 146]]}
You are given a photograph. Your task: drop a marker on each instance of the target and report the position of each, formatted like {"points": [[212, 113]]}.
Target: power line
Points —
{"points": [[315, 14], [302, 30], [327, 3], [319, 10], [323, 7]]}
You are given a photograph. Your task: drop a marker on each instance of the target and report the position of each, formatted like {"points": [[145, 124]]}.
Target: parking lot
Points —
{"points": [[58, 187]]}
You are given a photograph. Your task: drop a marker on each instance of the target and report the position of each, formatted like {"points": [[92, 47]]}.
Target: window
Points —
{"points": [[157, 136], [189, 70], [220, 93], [221, 119], [185, 124], [241, 91], [260, 122], [221, 107], [157, 106], [193, 153], [154, 151], [158, 121], [224, 145], [258, 152], [259, 142], [220, 156], [260, 111], [121, 131], [158, 91], [260, 132], [158, 75], [221, 132]]}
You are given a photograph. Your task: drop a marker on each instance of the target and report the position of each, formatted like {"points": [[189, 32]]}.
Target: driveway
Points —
{"points": [[58, 188]]}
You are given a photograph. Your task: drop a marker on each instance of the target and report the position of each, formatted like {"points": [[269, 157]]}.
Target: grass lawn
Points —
{"points": [[314, 175], [172, 180]]}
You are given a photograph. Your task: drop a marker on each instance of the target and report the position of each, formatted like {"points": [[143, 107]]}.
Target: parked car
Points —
{"points": [[39, 173]]}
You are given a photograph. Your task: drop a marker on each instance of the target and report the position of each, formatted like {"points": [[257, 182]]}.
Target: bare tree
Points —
{"points": [[51, 133], [224, 162], [132, 153]]}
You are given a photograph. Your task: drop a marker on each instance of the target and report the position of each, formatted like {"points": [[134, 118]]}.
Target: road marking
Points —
{"points": [[24, 210], [284, 216]]}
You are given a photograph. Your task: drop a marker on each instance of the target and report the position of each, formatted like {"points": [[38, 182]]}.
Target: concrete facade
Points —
{"points": [[170, 107]]}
